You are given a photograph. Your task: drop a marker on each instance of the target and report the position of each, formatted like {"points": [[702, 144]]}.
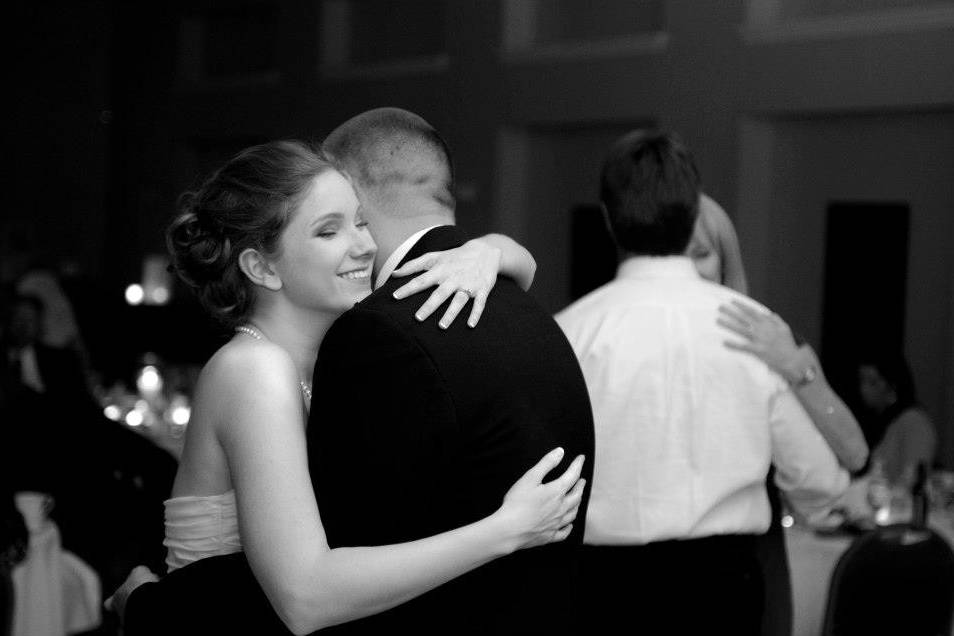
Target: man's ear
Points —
{"points": [[256, 267]]}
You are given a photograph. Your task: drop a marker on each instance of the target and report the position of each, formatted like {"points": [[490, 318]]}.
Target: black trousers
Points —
{"points": [[772, 555], [711, 585]]}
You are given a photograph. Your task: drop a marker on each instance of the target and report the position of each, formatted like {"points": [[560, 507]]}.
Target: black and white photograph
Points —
{"points": [[478, 317]]}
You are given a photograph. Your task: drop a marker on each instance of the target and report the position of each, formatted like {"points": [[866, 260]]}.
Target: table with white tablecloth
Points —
{"points": [[812, 559]]}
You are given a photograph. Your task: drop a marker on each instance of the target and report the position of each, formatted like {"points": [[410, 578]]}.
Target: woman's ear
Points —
{"points": [[256, 267]]}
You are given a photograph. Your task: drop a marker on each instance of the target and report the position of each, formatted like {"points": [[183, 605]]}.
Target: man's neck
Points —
{"points": [[391, 233]]}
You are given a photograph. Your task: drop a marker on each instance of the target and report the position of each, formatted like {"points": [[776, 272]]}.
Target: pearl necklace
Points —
{"points": [[255, 333]]}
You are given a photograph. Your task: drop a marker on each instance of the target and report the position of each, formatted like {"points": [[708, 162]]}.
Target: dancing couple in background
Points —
{"points": [[417, 429], [687, 427]]}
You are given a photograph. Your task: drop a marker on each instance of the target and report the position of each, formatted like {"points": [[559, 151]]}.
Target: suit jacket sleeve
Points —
{"points": [[382, 432], [216, 595]]}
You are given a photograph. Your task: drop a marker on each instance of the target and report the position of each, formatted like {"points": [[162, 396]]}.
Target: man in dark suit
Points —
{"points": [[416, 429]]}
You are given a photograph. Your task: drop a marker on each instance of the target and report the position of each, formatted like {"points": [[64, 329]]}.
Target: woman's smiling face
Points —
{"points": [[326, 253]]}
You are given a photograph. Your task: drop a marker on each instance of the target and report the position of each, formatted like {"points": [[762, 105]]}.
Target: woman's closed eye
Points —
{"points": [[327, 231]]}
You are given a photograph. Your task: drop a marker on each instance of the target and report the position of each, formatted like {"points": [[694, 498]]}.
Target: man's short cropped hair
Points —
{"points": [[388, 147], [649, 187]]}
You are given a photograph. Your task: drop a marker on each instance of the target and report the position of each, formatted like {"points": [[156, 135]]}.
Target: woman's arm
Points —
{"points": [[770, 339], [312, 586], [515, 260], [465, 272]]}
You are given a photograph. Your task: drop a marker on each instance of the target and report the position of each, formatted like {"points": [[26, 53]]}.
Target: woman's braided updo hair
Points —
{"points": [[245, 204]]}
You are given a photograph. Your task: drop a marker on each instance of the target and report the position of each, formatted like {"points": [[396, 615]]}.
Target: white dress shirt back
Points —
{"points": [[686, 429]]}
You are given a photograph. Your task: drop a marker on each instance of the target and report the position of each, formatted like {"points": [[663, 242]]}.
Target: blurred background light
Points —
{"points": [[149, 381], [134, 294], [134, 418]]}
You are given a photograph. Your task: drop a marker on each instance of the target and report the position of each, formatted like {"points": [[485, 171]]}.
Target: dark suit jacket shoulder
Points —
{"points": [[382, 404]]}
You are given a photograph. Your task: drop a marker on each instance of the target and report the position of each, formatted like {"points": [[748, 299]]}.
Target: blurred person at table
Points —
{"points": [[41, 386], [14, 540], [899, 430], [715, 252], [32, 363], [107, 483], [37, 392], [686, 429], [60, 328]]}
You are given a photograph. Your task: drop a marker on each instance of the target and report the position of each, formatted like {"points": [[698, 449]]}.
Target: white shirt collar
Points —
{"points": [[657, 267], [398, 255]]}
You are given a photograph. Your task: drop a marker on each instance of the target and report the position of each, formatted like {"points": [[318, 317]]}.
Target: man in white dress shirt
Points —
{"points": [[686, 429]]}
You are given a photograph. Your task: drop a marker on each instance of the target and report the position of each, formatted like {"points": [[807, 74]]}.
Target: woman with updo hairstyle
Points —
{"points": [[275, 247], [244, 204]]}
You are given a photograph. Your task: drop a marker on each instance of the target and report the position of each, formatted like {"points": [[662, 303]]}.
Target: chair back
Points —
{"points": [[893, 580]]}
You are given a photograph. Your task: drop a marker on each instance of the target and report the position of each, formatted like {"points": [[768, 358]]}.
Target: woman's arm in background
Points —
{"points": [[770, 339]]}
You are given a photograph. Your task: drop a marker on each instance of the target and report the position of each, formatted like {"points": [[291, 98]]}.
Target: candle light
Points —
{"points": [[135, 294], [180, 415], [134, 417], [149, 382]]}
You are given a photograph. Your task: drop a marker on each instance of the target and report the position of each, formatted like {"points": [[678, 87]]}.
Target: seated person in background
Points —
{"points": [[900, 432], [107, 482], [13, 546], [59, 328], [39, 384]]}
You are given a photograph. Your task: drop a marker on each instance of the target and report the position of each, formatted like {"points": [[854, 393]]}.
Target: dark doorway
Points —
{"points": [[866, 265], [593, 256]]}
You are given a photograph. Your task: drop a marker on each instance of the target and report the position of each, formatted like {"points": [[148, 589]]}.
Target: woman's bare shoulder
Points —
{"points": [[244, 369], [915, 419]]}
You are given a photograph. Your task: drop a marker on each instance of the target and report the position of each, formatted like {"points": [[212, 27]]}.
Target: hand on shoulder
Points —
{"points": [[766, 336]]}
